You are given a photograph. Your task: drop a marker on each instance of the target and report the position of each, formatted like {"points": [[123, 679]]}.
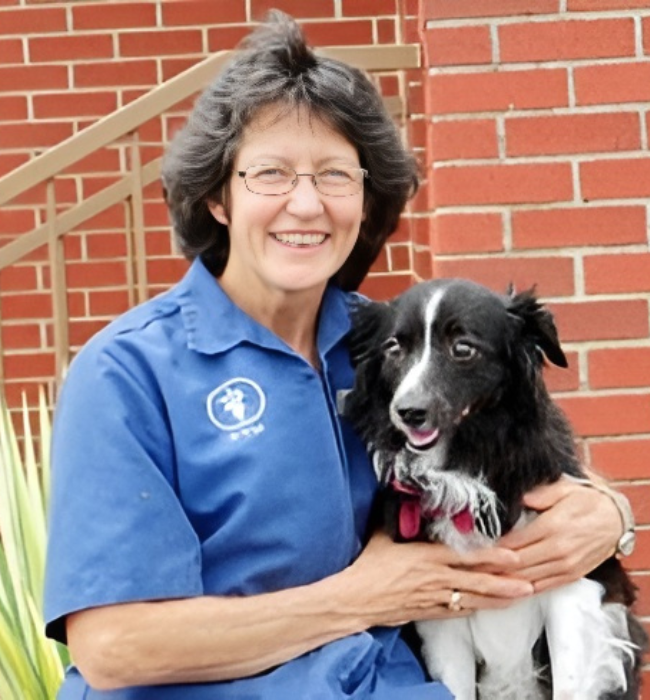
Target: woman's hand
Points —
{"points": [[578, 528], [414, 581]]}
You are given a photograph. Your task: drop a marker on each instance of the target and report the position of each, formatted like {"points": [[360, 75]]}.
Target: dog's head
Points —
{"points": [[444, 351]]}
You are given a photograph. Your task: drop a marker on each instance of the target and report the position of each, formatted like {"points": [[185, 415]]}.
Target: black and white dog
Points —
{"points": [[450, 399]]}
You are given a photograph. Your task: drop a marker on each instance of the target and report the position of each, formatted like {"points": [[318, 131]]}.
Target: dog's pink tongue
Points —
{"points": [[409, 519], [464, 521]]}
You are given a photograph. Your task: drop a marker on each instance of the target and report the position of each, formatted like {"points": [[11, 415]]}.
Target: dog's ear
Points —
{"points": [[536, 324], [370, 322]]}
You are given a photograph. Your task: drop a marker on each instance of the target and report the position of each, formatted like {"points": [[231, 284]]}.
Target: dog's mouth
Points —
{"points": [[421, 440]]}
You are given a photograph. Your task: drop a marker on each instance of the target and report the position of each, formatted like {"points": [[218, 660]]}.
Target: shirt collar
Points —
{"points": [[213, 323]]}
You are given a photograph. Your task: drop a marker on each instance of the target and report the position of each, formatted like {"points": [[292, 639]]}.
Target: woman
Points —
{"points": [[209, 504]]}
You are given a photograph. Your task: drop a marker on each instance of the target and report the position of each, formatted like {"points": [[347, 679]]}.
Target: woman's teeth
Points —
{"points": [[300, 239]]}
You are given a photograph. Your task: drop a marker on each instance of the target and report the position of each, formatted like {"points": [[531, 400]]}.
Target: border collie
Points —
{"points": [[450, 399]]}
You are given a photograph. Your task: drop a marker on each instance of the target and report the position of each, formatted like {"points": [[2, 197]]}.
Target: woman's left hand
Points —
{"points": [[578, 527]]}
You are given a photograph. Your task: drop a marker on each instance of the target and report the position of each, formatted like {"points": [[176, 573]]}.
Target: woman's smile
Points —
{"points": [[296, 239]]}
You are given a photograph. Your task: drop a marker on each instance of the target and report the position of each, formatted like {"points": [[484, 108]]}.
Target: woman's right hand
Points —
{"points": [[401, 582]]}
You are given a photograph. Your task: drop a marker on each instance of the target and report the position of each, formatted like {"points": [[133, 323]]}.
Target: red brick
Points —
{"points": [[621, 273], [107, 15], [33, 134], [159, 243], [599, 5], [562, 41], [156, 214], [112, 218], [498, 91], [166, 270], [89, 274], [226, 38], [70, 48], [106, 245], [22, 336], [464, 138], [10, 161], [340, 32], [18, 278], [400, 258], [13, 108], [163, 42], [16, 220], [552, 276], [202, 12], [617, 178], [622, 459], [602, 320], [29, 365], [575, 133], [457, 46], [578, 226], [33, 20], [369, 8], [22, 306], [74, 104], [92, 183], [646, 35], [118, 73], [451, 9], [466, 233], [619, 367], [502, 184], [27, 78], [612, 83], [108, 303], [621, 414], [383, 287], [422, 264], [11, 50], [386, 31], [81, 332], [171, 67], [295, 8]]}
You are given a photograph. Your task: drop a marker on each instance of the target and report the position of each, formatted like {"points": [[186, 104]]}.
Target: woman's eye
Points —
{"points": [[334, 176], [270, 174], [391, 347], [463, 351]]}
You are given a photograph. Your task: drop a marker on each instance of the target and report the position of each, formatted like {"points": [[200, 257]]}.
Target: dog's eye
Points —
{"points": [[462, 351], [391, 346]]}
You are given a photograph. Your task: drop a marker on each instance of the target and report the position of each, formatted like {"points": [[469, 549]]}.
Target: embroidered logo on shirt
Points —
{"points": [[236, 406]]}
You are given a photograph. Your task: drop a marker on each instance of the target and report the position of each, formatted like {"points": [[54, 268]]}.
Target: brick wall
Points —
{"points": [[531, 119], [537, 124]]}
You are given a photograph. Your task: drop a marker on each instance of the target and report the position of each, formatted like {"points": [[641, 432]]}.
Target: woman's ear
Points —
{"points": [[219, 212]]}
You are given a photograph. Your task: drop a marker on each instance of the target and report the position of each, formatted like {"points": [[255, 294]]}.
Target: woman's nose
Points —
{"points": [[304, 199]]}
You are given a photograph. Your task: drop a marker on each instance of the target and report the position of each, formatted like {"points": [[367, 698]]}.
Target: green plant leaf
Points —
{"points": [[31, 666]]}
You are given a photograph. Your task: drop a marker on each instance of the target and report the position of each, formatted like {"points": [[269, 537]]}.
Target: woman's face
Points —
{"points": [[296, 241]]}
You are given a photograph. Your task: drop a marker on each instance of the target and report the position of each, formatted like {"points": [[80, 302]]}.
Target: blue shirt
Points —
{"points": [[195, 453]]}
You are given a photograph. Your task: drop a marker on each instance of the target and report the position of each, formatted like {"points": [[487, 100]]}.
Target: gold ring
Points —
{"points": [[455, 601]]}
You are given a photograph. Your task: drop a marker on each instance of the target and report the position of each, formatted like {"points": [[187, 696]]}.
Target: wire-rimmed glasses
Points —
{"points": [[274, 180]]}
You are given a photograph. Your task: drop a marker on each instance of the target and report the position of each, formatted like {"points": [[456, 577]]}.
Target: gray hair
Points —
{"points": [[274, 65]]}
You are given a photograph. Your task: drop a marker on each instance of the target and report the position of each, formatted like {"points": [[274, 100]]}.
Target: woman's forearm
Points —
{"points": [[207, 638], [219, 638]]}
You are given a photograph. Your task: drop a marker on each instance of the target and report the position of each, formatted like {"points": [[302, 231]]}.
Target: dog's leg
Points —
{"points": [[448, 653], [504, 641], [588, 642]]}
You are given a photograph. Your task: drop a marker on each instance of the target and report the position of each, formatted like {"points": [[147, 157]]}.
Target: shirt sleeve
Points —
{"points": [[117, 530]]}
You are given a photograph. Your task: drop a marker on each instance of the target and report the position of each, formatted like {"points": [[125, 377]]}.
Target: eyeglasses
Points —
{"points": [[275, 180]]}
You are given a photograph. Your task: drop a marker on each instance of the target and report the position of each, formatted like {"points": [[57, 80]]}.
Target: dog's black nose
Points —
{"points": [[413, 417]]}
